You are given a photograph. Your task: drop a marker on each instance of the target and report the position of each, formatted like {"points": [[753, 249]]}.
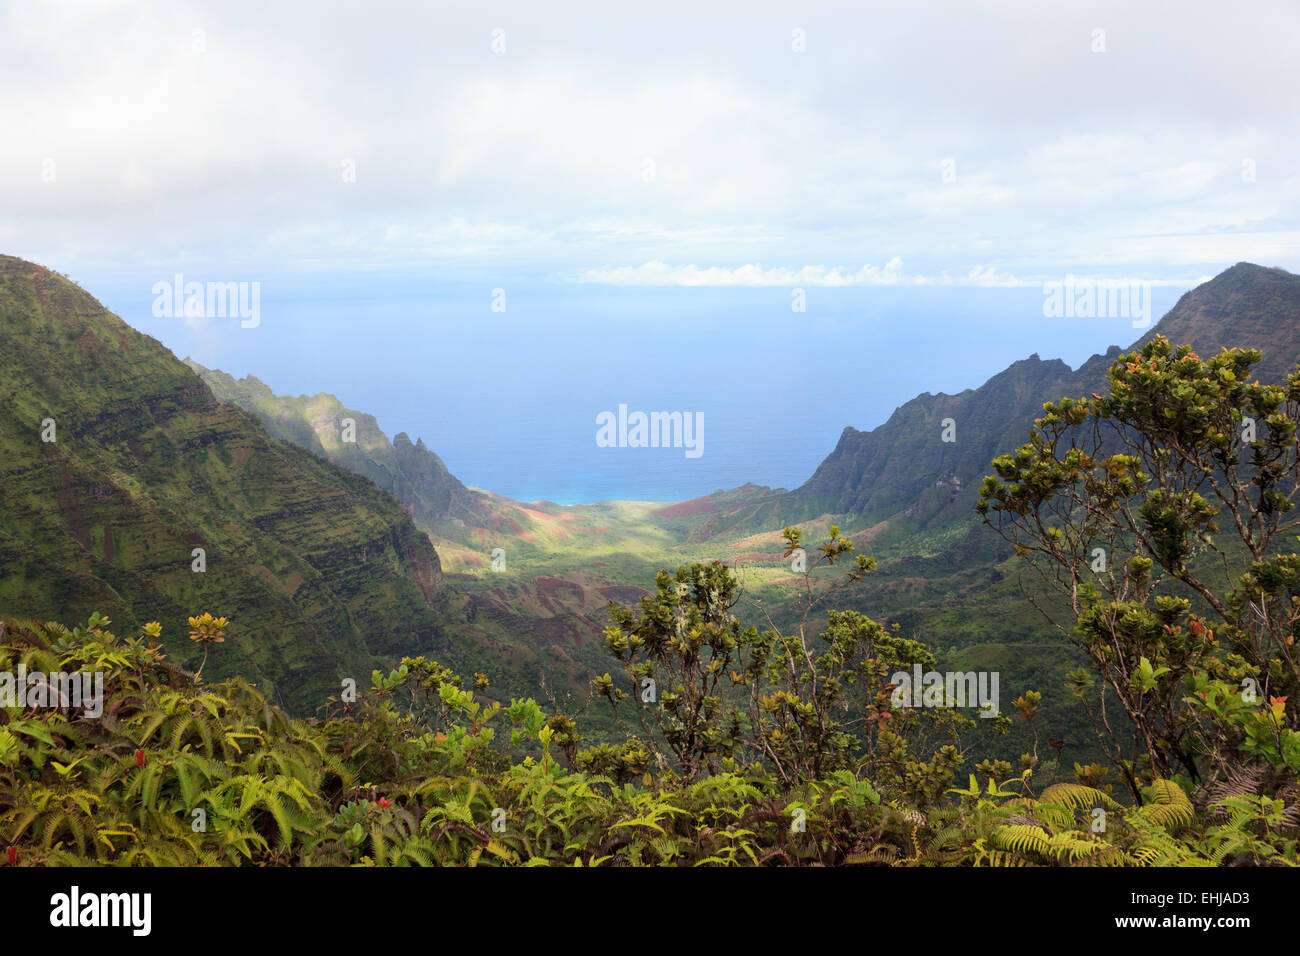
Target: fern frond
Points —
{"points": [[1172, 807]]}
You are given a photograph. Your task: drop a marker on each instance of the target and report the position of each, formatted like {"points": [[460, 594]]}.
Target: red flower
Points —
{"points": [[13, 855], [139, 758], [384, 802]]}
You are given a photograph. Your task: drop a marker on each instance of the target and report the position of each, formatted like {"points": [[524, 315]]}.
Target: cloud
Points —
{"points": [[186, 132], [890, 274], [659, 274]]}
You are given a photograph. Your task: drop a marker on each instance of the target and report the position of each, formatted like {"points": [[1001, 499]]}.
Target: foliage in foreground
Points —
{"points": [[178, 773]]}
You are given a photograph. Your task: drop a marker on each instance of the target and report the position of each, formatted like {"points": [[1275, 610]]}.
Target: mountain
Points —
{"points": [[904, 473], [117, 462], [906, 467], [539, 620], [414, 474], [1248, 306], [466, 524]]}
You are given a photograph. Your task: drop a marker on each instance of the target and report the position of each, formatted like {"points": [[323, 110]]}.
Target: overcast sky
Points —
{"points": [[652, 143]]}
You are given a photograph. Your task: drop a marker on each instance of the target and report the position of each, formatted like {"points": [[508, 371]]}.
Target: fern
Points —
{"points": [[1172, 807]]}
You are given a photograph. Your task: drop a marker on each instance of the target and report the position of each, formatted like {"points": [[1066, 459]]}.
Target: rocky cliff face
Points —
{"points": [[905, 470], [413, 473], [116, 463], [906, 465]]}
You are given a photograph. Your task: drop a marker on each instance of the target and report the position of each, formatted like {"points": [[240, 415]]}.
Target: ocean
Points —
{"points": [[510, 399]]}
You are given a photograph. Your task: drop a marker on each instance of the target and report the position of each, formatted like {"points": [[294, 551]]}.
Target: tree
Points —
{"points": [[1159, 513], [677, 649], [717, 695]]}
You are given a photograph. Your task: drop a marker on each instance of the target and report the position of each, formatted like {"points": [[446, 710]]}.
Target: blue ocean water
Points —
{"points": [[509, 399]]}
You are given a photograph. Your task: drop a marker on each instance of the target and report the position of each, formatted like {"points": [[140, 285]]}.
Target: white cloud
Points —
{"points": [[890, 274], [537, 158], [659, 274]]}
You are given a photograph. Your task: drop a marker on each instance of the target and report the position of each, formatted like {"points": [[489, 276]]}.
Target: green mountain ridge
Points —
{"points": [[322, 574], [411, 472], [903, 473], [1247, 306]]}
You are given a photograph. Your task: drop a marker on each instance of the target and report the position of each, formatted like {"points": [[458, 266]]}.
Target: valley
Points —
{"points": [[518, 590]]}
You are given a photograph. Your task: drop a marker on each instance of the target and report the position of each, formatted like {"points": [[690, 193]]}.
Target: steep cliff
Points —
{"points": [[905, 471], [116, 463], [319, 423]]}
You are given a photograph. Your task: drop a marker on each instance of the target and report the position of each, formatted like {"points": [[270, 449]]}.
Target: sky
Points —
{"points": [[487, 224]]}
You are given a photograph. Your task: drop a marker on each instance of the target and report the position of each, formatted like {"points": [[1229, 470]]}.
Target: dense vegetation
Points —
{"points": [[1163, 512], [419, 772]]}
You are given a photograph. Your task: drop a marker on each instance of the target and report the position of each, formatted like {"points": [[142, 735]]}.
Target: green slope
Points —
{"points": [[321, 573], [319, 423]]}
